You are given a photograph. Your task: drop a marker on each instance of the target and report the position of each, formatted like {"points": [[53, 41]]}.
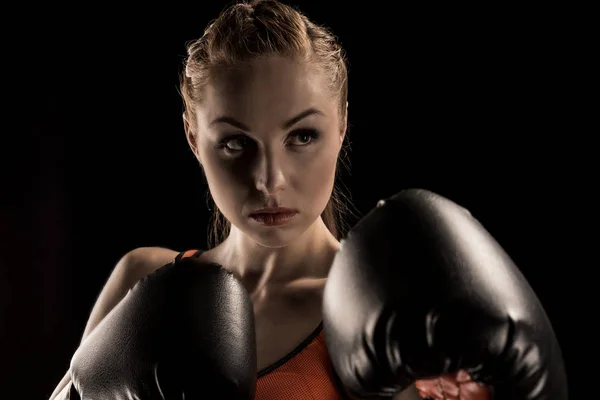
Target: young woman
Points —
{"points": [[265, 93]]}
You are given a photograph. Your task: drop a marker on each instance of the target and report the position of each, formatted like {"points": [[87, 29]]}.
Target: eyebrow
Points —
{"points": [[286, 125]]}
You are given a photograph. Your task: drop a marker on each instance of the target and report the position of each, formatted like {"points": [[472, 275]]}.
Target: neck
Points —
{"points": [[309, 256]]}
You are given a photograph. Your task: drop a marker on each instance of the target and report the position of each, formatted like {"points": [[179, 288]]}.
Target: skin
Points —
{"points": [[267, 135], [271, 164], [280, 155]]}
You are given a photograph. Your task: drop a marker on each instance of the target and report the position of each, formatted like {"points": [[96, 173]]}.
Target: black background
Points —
{"points": [[479, 105]]}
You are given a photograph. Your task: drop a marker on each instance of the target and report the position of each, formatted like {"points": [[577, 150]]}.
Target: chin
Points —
{"points": [[273, 240], [275, 237]]}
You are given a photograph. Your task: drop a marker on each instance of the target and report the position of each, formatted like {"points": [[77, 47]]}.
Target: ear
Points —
{"points": [[191, 137], [344, 126]]}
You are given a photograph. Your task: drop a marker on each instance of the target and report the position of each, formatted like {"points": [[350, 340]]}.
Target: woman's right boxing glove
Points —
{"points": [[186, 331]]}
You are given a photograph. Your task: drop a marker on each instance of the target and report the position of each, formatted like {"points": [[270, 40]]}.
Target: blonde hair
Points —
{"points": [[244, 32]]}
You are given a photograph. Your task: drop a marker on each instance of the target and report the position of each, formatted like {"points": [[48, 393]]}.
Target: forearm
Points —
{"points": [[410, 393], [60, 388]]}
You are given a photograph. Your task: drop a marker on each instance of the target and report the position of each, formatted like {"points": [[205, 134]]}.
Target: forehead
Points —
{"points": [[266, 89]]}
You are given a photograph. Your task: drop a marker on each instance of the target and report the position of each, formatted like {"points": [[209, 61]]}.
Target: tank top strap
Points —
{"points": [[188, 254]]}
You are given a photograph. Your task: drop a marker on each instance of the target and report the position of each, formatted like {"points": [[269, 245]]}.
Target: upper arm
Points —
{"points": [[132, 267]]}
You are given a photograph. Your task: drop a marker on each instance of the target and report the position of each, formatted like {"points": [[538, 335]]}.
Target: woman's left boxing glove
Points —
{"points": [[420, 289]]}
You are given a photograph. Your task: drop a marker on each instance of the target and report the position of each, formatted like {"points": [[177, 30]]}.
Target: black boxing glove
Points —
{"points": [[420, 289], [186, 331]]}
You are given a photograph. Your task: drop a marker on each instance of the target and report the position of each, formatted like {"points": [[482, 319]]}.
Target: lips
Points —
{"points": [[273, 216]]}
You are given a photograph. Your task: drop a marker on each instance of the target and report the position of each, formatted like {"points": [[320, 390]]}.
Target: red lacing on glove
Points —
{"points": [[458, 386]]}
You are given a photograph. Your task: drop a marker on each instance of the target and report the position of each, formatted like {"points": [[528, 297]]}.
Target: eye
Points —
{"points": [[303, 137], [234, 144]]}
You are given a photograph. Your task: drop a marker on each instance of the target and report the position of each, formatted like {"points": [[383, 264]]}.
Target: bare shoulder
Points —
{"points": [[142, 261], [132, 267]]}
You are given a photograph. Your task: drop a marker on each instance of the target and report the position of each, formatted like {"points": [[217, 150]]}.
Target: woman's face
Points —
{"points": [[269, 135]]}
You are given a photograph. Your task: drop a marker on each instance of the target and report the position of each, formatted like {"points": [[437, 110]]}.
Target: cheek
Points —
{"points": [[226, 186], [318, 177]]}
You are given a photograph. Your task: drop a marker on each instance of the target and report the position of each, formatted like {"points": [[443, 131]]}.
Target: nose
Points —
{"points": [[270, 176]]}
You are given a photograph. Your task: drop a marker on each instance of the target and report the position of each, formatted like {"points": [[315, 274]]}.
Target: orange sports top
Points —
{"points": [[304, 374]]}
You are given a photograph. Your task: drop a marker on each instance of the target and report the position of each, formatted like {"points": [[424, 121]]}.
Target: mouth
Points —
{"points": [[273, 216]]}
